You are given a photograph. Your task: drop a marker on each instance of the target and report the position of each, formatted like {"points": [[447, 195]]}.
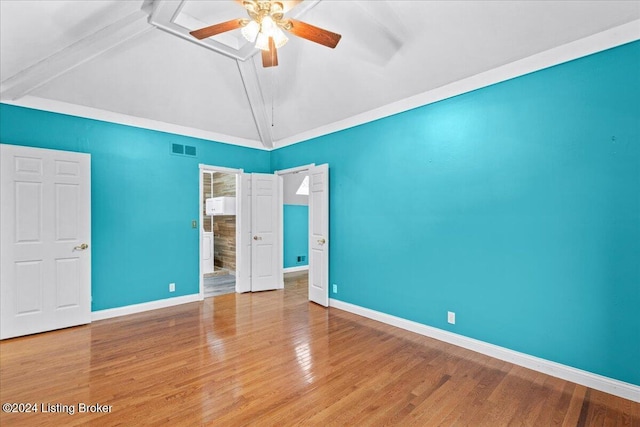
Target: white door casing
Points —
{"points": [[319, 234], [243, 234], [266, 219], [45, 240]]}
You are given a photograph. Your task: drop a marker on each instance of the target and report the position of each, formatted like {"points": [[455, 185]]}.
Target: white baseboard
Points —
{"points": [[146, 306], [578, 376], [294, 269]]}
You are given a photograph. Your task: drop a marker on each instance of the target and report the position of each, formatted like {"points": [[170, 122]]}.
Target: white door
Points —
{"points": [[319, 234], [207, 251], [45, 225], [266, 218]]}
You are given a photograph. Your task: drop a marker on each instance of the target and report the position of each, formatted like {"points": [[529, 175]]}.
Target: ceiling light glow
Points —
{"points": [[250, 31], [259, 29], [279, 38], [262, 41]]}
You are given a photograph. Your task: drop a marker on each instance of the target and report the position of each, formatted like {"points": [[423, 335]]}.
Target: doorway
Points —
{"points": [[295, 220], [259, 232], [313, 182], [218, 230]]}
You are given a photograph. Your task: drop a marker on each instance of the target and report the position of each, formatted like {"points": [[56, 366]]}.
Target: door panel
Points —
{"points": [[67, 212], [264, 260], [29, 287], [28, 212], [45, 279], [266, 270], [319, 234], [67, 283], [264, 220]]}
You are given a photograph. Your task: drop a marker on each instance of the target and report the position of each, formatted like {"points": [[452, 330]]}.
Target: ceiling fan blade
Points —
{"points": [[222, 27], [315, 34], [270, 57]]}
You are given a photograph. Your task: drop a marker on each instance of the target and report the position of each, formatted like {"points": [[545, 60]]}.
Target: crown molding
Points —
{"points": [[608, 39], [604, 40], [54, 106]]}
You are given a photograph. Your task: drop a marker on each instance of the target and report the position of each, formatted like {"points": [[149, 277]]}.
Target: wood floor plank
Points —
{"points": [[273, 358]]}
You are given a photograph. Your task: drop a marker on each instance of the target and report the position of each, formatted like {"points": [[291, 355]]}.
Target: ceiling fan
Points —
{"points": [[265, 28]]}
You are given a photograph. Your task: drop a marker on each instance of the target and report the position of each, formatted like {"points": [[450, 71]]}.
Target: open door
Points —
{"points": [[266, 265], [260, 229], [319, 234]]}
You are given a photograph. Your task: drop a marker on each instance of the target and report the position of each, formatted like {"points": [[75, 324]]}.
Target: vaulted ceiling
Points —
{"points": [[133, 61]]}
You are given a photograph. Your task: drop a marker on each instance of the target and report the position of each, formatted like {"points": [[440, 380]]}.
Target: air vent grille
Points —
{"points": [[177, 148], [183, 150]]}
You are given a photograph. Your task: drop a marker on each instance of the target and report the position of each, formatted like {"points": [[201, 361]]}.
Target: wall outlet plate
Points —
{"points": [[172, 287], [451, 317], [335, 288]]}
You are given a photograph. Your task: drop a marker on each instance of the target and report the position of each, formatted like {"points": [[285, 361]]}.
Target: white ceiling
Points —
{"points": [[105, 55]]}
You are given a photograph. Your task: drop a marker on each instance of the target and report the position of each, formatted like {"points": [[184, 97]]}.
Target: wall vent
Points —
{"points": [[183, 150], [177, 148]]}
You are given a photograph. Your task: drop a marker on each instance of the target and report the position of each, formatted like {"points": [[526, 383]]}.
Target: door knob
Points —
{"points": [[322, 241], [82, 247], [257, 238]]}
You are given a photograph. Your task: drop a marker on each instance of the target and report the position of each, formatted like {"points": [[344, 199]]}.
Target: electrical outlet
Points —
{"points": [[172, 287], [335, 288], [451, 317]]}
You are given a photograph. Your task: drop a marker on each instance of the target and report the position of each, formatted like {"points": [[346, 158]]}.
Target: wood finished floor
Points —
{"points": [[272, 358]]}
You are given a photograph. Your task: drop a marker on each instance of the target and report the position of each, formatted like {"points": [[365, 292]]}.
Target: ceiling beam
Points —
{"points": [[74, 55], [251, 83]]}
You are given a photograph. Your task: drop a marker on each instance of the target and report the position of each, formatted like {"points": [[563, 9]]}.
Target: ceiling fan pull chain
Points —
{"points": [[273, 95]]}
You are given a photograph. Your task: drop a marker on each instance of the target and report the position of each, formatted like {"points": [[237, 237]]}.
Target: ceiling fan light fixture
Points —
{"points": [[267, 26], [262, 41], [279, 38], [250, 31]]}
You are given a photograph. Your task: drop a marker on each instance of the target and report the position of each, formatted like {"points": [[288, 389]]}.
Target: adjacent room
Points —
{"points": [[320, 212], [218, 250]]}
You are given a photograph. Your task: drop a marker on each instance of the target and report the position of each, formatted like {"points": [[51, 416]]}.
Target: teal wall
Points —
{"points": [[517, 206], [296, 235], [143, 199]]}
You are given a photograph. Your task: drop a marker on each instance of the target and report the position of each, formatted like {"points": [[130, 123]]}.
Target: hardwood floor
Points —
{"points": [[273, 358]]}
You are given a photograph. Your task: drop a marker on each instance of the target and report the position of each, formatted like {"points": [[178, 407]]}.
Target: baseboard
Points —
{"points": [[146, 306], [578, 376], [297, 268]]}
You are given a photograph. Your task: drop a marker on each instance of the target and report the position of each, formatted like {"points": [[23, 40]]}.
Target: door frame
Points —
{"points": [[287, 172], [210, 168], [239, 226]]}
